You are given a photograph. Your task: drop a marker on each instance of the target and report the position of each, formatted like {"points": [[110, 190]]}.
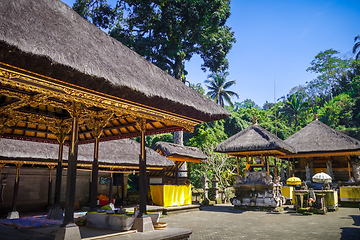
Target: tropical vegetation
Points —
{"points": [[168, 33]]}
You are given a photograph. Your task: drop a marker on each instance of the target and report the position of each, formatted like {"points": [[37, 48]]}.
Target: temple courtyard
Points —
{"points": [[223, 222]]}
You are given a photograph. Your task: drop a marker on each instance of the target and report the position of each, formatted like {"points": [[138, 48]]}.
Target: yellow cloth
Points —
{"points": [[171, 195], [287, 192]]}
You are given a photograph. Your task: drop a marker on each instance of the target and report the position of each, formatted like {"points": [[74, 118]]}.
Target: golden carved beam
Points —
{"points": [[18, 78]]}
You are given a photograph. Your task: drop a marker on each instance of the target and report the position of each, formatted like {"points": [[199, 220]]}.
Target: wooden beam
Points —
{"points": [[323, 154]]}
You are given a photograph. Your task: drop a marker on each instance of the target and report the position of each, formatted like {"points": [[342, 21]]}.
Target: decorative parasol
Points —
{"points": [[322, 178], [293, 181]]}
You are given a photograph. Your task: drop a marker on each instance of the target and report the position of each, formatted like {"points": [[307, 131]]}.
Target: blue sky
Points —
{"points": [[277, 40]]}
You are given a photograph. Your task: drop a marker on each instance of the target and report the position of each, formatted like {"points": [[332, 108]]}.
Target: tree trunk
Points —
{"points": [[179, 136]]}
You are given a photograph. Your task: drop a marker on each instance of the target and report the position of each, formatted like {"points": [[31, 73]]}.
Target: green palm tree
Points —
{"points": [[356, 47], [293, 106], [217, 85]]}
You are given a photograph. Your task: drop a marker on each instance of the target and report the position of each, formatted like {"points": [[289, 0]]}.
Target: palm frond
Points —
{"points": [[229, 84]]}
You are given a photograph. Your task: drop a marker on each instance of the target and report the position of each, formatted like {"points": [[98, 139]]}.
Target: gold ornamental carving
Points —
{"points": [[58, 94]]}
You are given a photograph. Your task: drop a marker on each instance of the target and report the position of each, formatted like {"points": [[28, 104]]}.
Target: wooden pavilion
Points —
{"points": [[179, 155], [39, 159], [64, 81], [320, 148], [256, 188], [173, 182], [255, 144]]}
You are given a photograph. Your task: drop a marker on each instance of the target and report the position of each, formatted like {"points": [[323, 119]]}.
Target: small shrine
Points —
{"points": [[257, 188]]}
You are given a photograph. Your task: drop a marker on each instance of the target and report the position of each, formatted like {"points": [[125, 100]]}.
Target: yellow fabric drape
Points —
{"points": [[171, 195]]}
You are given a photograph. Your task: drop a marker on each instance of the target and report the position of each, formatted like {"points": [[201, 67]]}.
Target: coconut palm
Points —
{"points": [[217, 85], [356, 47], [293, 106]]}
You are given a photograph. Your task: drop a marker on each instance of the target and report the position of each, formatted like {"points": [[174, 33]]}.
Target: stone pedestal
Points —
{"points": [[205, 184], [13, 215], [143, 224], [109, 221], [55, 213], [215, 190], [68, 232]]}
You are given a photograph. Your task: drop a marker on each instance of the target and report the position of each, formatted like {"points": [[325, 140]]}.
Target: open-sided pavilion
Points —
{"points": [[117, 159], [255, 142], [320, 148], [63, 80]]}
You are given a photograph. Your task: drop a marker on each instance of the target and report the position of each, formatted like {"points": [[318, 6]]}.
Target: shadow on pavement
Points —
{"points": [[356, 219], [221, 208], [349, 233]]}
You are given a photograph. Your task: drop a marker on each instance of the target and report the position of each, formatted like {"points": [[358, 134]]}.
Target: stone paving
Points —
{"points": [[223, 222]]}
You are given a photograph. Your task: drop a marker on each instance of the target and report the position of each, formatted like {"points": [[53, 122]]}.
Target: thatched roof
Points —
{"points": [[319, 137], [253, 138], [49, 38], [124, 152], [172, 149]]}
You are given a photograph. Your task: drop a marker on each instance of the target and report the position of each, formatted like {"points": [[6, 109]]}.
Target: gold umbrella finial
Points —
{"points": [[255, 120], [316, 117]]}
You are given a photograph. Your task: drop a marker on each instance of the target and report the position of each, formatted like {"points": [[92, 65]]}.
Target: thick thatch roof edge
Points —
{"points": [[270, 142], [47, 37]]}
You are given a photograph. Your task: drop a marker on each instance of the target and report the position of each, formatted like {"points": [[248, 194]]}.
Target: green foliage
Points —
{"points": [[337, 113], [217, 164], [167, 33], [330, 68], [294, 108], [218, 85], [152, 139], [197, 87]]}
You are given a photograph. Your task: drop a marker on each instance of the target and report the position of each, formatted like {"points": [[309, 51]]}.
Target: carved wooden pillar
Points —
{"points": [[94, 176], [237, 163], [16, 186], [142, 169], [111, 186], [289, 170], [14, 214], [71, 171], [60, 130], [51, 167], [97, 124], [177, 173], [1, 183]]}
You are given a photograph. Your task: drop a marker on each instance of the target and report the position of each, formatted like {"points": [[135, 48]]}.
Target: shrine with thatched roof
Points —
{"points": [[256, 188], [255, 141], [320, 148], [180, 155]]}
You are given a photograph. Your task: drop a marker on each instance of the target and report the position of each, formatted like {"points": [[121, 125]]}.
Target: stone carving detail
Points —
{"points": [[356, 170], [329, 169], [258, 190], [308, 175]]}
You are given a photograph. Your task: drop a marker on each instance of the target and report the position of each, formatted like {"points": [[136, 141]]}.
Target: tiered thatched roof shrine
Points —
{"points": [[254, 141], [320, 148], [257, 189]]}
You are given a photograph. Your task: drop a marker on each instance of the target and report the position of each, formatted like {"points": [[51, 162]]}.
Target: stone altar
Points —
{"points": [[257, 190]]}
